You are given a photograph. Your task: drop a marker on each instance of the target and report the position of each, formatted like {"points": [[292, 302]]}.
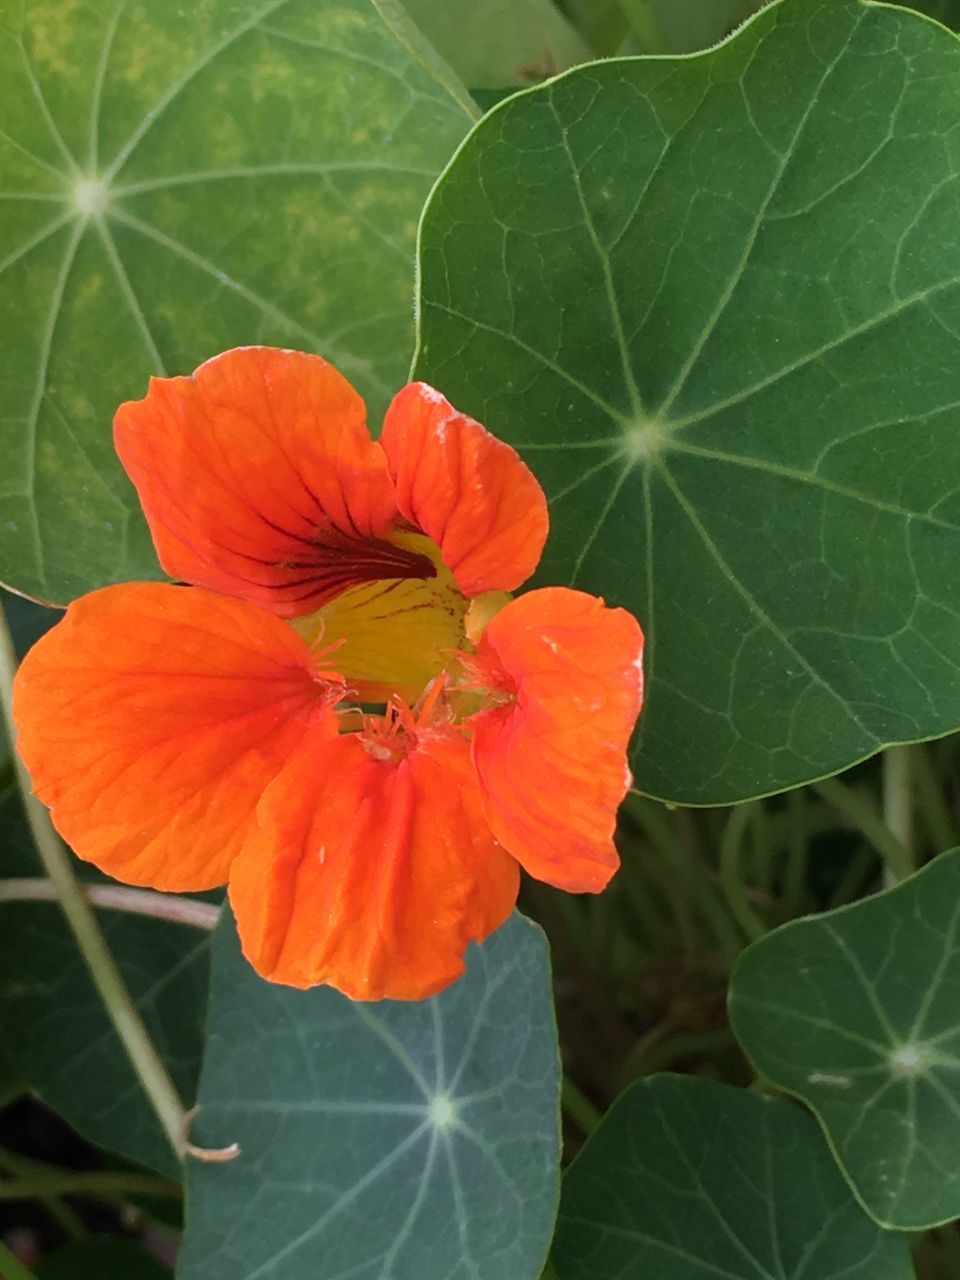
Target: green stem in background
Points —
{"points": [[118, 897], [795, 868], [861, 815], [11, 1268], [670, 833], [108, 1186], [579, 1108], [731, 872], [898, 805], [15, 1165], [123, 1013], [932, 806]]}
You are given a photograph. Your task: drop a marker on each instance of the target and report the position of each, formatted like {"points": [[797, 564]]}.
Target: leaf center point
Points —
{"points": [[90, 197], [909, 1060], [644, 439]]}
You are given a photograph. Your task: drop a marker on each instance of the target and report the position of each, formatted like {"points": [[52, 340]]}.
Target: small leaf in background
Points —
{"points": [[56, 1030], [856, 1012], [686, 1179], [102, 1259], [500, 42], [402, 1141], [176, 181], [715, 302]]}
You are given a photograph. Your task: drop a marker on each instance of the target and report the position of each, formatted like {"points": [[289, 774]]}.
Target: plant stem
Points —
{"points": [[932, 803], [861, 815], [118, 897], [579, 1107], [107, 1185], [19, 1166], [731, 875], [11, 1268], [898, 805], [123, 1013]]}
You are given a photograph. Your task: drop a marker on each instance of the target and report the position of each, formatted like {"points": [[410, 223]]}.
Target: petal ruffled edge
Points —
{"points": [[259, 479], [371, 875], [470, 492], [152, 717], [551, 758]]}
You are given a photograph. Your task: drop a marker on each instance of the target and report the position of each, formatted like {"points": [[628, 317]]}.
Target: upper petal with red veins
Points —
{"points": [[152, 717], [470, 492], [259, 479], [371, 875], [551, 758]]}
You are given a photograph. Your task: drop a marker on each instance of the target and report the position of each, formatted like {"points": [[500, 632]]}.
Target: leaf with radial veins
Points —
{"points": [[176, 180], [393, 1141], [686, 1179], [715, 300], [856, 1012]]}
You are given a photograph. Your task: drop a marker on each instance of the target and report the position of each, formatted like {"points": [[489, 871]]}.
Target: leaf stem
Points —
{"points": [[11, 1268], [898, 806], [579, 1108], [121, 1009], [106, 1185], [861, 815], [118, 897], [731, 872]]}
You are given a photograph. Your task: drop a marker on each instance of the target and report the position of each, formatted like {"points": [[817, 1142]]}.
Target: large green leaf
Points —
{"points": [[53, 1024], [715, 301], [856, 1012], [686, 1179], [500, 42], [175, 180], [402, 1141]]}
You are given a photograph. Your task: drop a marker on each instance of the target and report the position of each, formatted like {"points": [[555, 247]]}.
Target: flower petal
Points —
{"points": [[259, 479], [371, 875], [152, 717], [551, 759], [469, 491]]}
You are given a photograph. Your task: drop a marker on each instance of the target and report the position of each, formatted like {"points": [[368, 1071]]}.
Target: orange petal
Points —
{"points": [[551, 758], [371, 875], [151, 719], [259, 479], [466, 489]]}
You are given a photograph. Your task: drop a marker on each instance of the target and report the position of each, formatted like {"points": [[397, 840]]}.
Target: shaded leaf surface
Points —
{"points": [[388, 1141], [716, 302], [53, 1023], [175, 182], [856, 1012], [686, 1179]]}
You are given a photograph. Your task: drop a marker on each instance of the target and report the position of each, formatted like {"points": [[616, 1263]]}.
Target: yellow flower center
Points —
{"points": [[398, 634]]}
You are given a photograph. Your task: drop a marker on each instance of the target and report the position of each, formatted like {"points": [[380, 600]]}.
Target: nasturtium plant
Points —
{"points": [[690, 1179], [855, 1012], [658, 304], [174, 184], [709, 377], [400, 1139]]}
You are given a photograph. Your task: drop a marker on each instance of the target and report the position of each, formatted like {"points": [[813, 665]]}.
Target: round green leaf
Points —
{"points": [[856, 1012], [176, 180], [53, 1024], [686, 1179], [715, 300], [399, 1140]]}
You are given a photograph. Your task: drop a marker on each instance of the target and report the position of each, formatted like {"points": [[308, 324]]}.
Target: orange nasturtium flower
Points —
{"points": [[187, 736]]}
